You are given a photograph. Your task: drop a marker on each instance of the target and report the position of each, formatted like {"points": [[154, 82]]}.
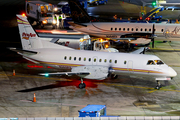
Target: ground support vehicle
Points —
{"points": [[93, 111], [40, 12]]}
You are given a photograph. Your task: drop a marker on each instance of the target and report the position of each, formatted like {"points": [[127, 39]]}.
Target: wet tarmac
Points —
{"points": [[61, 97]]}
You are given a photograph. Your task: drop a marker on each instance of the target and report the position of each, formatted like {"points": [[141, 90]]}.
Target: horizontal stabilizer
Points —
{"points": [[27, 52]]}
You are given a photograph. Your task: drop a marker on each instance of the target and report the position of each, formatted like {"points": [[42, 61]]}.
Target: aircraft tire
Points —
{"points": [[82, 85], [158, 87]]}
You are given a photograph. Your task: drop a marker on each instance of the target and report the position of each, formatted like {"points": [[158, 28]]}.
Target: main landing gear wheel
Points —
{"points": [[82, 85], [158, 86]]}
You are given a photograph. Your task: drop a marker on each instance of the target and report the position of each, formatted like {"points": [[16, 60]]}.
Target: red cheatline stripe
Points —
{"points": [[22, 21]]}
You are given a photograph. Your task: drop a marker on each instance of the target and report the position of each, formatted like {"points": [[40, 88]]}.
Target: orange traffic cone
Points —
{"points": [[14, 72], [34, 99]]}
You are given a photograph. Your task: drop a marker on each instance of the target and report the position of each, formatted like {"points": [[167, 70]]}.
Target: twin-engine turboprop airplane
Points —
{"points": [[126, 31], [88, 64]]}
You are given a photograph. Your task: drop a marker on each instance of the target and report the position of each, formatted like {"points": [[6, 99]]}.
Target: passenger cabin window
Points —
{"points": [[105, 60], [100, 60], [115, 61], [89, 59], [79, 58], [124, 62], [94, 59], [136, 29], [123, 29], [132, 29], [75, 58], [111, 28], [141, 29], [149, 29], [127, 29], [110, 61], [115, 28], [162, 30], [150, 62], [84, 59], [145, 29], [69, 58], [65, 58], [119, 29]]}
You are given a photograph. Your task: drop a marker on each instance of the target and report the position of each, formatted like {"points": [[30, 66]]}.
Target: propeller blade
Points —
{"points": [[152, 42], [153, 31]]}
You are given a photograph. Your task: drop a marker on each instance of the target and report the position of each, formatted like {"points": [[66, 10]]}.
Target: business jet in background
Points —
{"points": [[130, 32], [88, 64]]}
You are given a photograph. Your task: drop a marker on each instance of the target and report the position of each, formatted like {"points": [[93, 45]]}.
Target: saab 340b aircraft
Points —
{"points": [[88, 64], [131, 32]]}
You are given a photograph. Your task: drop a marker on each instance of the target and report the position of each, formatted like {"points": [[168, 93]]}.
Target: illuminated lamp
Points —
{"points": [[23, 15], [46, 75], [44, 21], [101, 40], [154, 3], [106, 46]]}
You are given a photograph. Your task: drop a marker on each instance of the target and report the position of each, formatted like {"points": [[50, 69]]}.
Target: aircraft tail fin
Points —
{"points": [[29, 38], [78, 13]]}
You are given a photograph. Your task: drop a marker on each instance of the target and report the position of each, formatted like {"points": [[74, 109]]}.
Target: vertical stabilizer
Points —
{"points": [[29, 38], [78, 13]]}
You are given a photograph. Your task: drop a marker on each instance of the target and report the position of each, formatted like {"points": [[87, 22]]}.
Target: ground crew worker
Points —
{"points": [[115, 17], [60, 20], [177, 22], [63, 16]]}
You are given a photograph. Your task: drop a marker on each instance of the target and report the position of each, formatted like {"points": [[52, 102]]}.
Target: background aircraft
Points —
{"points": [[129, 32]]}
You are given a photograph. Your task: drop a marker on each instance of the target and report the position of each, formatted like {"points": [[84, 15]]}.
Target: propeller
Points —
{"points": [[152, 39]]}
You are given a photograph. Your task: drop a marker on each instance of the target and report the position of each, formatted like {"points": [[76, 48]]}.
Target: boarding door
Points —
{"points": [[130, 67], [94, 60]]}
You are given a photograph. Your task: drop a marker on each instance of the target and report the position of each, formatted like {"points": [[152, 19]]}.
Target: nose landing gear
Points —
{"points": [[158, 86]]}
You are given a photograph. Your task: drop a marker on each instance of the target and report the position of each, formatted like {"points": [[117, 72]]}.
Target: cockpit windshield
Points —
{"points": [[150, 62], [154, 62], [158, 62]]}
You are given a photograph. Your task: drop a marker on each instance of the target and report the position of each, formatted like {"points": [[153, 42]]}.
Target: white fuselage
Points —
{"points": [[116, 30], [121, 63]]}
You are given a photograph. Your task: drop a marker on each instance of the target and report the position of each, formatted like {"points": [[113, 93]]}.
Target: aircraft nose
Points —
{"points": [[172, 72]]}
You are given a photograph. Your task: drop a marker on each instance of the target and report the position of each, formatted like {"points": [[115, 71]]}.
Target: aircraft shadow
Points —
{"points": [[59, 84]]}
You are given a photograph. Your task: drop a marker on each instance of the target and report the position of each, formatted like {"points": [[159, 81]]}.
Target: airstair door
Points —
{"points": [[130, 67]]}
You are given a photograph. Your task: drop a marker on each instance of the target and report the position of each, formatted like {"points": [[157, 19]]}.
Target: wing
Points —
{"points": [[89, 72], [65, 73], [140, 50]]}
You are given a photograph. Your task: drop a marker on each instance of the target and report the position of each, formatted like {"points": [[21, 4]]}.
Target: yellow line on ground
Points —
{"points": [[162, 49], [148, 88], [109, 84]]}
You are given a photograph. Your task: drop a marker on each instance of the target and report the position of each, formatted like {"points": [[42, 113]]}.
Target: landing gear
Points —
{"points": [[82, 85], [158, 86], [114, 76]]}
